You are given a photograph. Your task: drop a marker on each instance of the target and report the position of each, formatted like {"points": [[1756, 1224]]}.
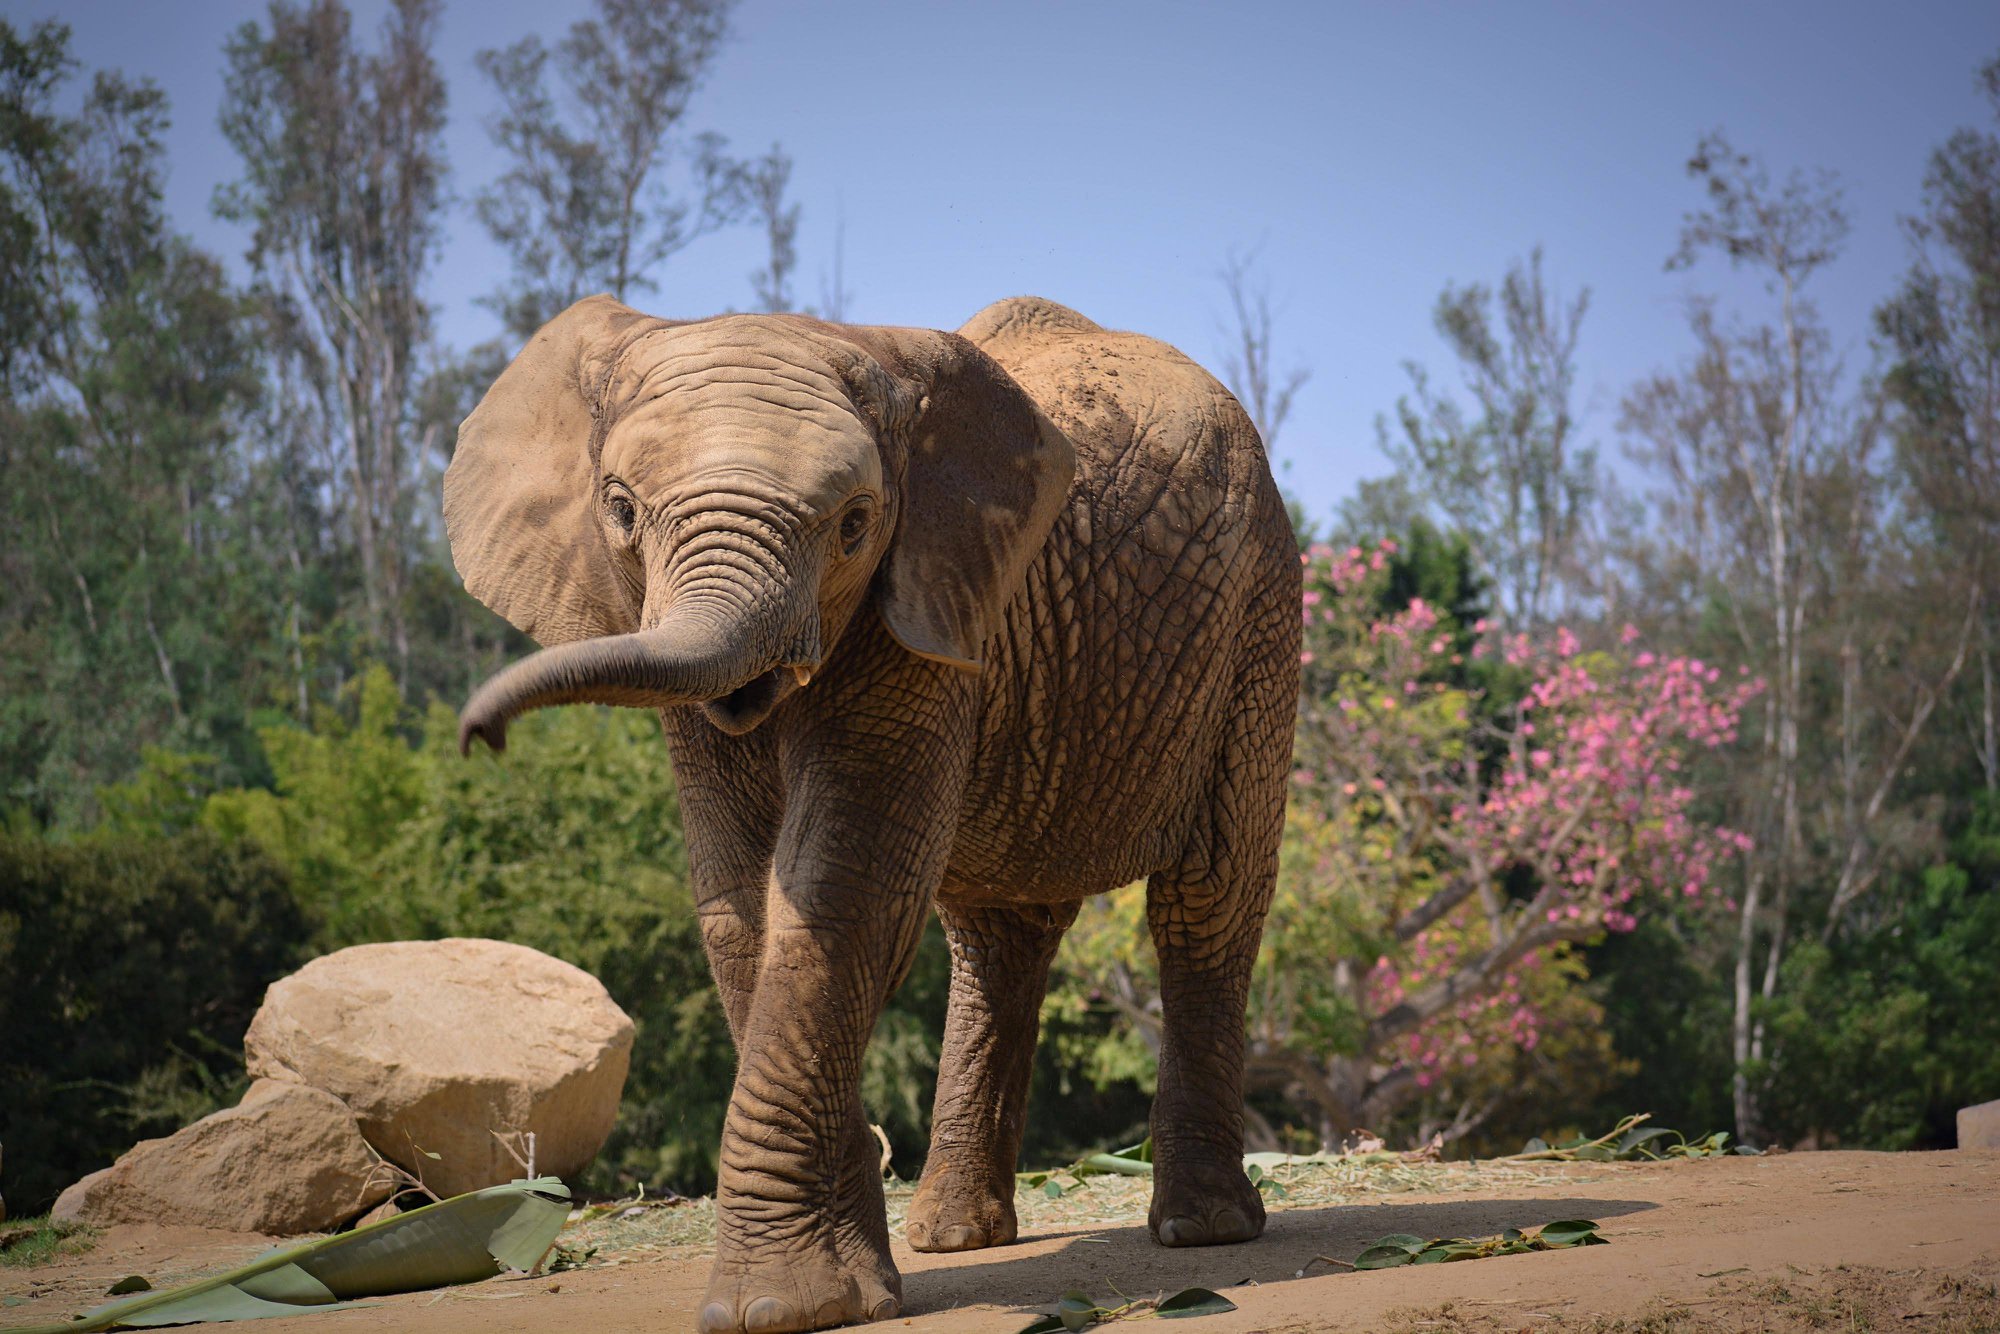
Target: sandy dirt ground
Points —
{"points": [[1836, 1241]]}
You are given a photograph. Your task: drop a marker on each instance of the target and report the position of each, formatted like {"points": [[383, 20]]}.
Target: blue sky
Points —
{"points": [[1110, 156]]}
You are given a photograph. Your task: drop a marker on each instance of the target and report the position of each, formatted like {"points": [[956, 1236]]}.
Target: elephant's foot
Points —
{"points": [[960, 1211], [1204, 1204], [839, 1273], [788, 1291]]}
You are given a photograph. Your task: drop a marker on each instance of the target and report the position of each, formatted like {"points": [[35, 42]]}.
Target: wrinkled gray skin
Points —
{"points": [[988, 622]]}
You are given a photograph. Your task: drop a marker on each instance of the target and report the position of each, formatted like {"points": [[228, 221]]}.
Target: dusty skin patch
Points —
{"points": [[1833, 1241]]}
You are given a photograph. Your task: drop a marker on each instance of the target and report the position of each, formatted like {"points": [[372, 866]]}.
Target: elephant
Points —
{"points": [[984, 623]]}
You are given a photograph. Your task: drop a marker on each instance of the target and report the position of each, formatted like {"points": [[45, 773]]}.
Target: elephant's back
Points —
{"points": [[1163, 449], [1171, 565]]}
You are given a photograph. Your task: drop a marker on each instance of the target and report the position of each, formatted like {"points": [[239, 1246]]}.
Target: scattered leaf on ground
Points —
{"points": [[1193, 1301], [1079, 1310], [1403, 1248], [1630, 1141]]}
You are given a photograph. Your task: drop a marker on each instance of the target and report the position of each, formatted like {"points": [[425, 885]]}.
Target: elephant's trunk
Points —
{"points": [[683, 661]]}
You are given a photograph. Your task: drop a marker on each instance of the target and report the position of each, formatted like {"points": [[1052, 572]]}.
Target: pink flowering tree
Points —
{"points": [[1465, 811]]}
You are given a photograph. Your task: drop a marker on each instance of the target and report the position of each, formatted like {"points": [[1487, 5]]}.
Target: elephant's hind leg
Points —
{"points": [[1000, 958], [1206, 918]]}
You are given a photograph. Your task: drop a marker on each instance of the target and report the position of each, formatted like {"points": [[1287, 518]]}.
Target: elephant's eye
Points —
{"points": [[622, 511], [853, 527]]}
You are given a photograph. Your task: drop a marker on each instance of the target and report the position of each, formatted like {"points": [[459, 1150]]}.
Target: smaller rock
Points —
{"points": [[386, 1209], [287, 1159], [1979, 1126]]}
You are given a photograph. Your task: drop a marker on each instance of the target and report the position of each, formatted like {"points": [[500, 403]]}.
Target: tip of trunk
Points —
{"points": [[492, 731]]}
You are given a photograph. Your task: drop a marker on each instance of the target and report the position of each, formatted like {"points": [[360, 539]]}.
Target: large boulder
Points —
{"points": [[437, 1045], [287, 1159]]}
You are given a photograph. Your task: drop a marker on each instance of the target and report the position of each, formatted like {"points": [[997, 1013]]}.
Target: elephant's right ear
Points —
{"points": [[520, 496]]}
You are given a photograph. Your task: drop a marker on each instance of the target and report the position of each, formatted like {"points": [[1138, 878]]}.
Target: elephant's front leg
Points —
{"points": [[733, 932], [801, 1237], [1000, 957]]}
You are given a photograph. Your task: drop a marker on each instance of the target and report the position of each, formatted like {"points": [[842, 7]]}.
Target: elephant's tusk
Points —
{"points": [[802, 674]]}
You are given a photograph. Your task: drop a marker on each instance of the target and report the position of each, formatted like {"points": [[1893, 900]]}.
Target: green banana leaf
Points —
{"points": [[459, 1240]]}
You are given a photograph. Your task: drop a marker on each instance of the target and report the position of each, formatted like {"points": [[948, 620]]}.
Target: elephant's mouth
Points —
{"points": [[751, 703]]}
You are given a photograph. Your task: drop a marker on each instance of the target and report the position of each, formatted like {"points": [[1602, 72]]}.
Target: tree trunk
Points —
{"points": [[1746, 942]]}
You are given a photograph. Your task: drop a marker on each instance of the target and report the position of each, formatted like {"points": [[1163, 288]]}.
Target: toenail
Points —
{"points": [[767, 1315]]}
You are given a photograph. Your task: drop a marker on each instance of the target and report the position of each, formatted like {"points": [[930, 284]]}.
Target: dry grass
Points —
{"points": [[610, 1235], [28, 1242]]}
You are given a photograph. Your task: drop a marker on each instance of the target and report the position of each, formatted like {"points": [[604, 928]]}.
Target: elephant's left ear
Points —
{"points": [[986, 474]]}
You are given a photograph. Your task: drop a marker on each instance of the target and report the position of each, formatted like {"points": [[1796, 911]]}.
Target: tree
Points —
{"points": [[762, 183], [582, 207], [1775, 515], [1248, 363], [1512, 479], [1942, 335], [343, 188], [129, 547], [834, 297]]}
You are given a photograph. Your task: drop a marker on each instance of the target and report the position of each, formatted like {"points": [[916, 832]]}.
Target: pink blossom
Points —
{"points": [[1590, 792]]}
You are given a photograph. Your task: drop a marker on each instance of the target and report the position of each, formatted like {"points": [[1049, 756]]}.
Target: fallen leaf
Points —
{"points": [[1193, 1301], [460, 1240]]}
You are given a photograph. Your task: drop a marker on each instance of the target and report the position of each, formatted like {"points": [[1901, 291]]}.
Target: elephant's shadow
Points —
{"points": [[1108, 1260]]}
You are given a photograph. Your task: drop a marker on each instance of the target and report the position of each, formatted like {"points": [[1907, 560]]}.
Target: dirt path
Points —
{"points": [[1799, 1241]]}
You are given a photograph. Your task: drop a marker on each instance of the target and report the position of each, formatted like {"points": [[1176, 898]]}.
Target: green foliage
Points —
{"points": [[126, 532], [1631, 1141], [1093, 1078], [1665, 1014], [1882, 1034], [129, 968], [571, 845]]}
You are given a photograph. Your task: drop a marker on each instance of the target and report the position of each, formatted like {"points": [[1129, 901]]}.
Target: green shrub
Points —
{"points": [[129, 968], [1882, 1035]]}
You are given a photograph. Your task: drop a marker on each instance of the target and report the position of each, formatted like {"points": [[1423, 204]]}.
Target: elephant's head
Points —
{"points": [[692, 512]]}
